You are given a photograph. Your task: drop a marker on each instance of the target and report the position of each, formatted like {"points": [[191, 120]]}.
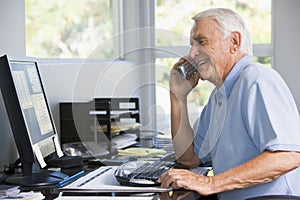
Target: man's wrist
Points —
{"points": [[177, 99]]}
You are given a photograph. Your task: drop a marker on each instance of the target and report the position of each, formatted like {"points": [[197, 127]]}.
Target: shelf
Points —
{"points": [[80, 121], [117, 127]]}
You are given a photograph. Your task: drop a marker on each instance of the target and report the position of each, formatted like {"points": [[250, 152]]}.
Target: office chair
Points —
{"points": [[276, 197]]}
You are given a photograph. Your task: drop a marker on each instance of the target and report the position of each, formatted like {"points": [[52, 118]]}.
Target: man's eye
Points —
{"points": [[202, 42]]}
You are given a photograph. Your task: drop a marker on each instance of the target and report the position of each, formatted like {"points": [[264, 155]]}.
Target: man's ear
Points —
{"points": [[236, 41]]}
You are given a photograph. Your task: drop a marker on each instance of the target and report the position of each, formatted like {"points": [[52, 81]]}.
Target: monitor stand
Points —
{"points": [[41, 178], [36, 180]]}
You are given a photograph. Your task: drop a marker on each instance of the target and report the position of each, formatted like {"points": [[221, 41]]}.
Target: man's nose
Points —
{"points": [[193, 52]]}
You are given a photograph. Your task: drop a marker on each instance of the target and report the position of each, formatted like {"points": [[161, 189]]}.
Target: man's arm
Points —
{"points": [[263, 168], [182, 133]]}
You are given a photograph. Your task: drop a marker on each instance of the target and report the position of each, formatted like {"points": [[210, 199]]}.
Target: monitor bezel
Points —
{"points": [[26, 148]]}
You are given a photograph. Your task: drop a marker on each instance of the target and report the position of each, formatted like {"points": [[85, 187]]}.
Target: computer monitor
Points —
{"points": [[30, 118]]}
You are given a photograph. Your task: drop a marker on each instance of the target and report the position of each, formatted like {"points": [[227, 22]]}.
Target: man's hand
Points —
{"points": [[179, 86], [181, 178]]}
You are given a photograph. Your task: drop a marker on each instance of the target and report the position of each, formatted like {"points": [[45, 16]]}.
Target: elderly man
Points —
{"points": [[249, 129]]}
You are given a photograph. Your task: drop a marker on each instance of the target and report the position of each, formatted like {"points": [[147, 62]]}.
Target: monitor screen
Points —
{"points": [[33, 104], [28, 111], [32, 101]]}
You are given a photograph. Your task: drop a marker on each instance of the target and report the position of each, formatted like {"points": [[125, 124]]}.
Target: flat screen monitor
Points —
{"points": [[30, 117]]}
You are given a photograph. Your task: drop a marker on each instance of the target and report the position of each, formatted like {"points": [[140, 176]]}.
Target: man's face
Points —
{"points": [[209, 50]]}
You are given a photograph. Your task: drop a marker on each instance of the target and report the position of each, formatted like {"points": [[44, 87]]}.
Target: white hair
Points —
{"points": [[229, 21]]}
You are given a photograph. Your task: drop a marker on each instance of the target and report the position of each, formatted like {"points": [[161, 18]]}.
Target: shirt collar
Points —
{"points": [[233, 75]]}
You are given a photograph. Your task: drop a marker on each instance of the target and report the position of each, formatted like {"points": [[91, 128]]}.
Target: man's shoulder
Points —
{"points": [[256, 72]]}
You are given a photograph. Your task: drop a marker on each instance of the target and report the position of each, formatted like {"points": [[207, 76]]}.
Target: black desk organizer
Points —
{"points": [[96, 120]]}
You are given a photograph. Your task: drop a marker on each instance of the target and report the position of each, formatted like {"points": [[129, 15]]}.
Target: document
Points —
{"points": [[26, 196], [8, 190], [139, 151], [103, 180]]}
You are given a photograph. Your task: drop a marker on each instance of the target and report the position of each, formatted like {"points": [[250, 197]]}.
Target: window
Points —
{"points": [[69, 28], [172, 34], [76, 28]]}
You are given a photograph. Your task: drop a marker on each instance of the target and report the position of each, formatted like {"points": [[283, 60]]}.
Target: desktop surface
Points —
{"points": [[175, 195], [101, 182], [54, 193]]}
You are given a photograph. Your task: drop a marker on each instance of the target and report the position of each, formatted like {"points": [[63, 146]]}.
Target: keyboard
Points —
{"points": [[142, 173], [145, 173]]}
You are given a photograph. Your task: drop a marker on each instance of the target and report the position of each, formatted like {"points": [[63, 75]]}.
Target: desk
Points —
{"points": [[52, 193], [176, 195], [100, 182]]}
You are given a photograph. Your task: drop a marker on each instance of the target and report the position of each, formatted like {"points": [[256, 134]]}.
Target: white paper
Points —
{"points": [[39, 156], [57, 147], [124, 140]]}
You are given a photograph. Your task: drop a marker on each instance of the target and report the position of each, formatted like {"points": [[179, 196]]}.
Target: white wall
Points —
{"points": [[67, 82], [12, 32], [287, 43], [12, 41]]}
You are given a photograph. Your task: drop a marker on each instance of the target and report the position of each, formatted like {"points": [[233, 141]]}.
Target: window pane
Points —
{"points": [[263, 60], [257, 14], [68, 28], [173, 28]]}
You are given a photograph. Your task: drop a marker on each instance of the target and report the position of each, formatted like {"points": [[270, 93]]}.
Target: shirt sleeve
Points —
{"points": [[272, 116]]}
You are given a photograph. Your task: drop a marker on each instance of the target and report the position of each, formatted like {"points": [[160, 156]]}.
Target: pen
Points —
{"points": [[69, 179]]}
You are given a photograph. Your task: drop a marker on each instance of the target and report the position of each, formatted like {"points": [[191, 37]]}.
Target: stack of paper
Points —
{"points": [[8, 190], [124, 140], [164, 141], [116, 127], [139, 151], [25, 196]]}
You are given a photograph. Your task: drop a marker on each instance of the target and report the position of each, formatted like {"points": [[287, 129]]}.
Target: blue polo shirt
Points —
{"points": [[253, 111]]}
